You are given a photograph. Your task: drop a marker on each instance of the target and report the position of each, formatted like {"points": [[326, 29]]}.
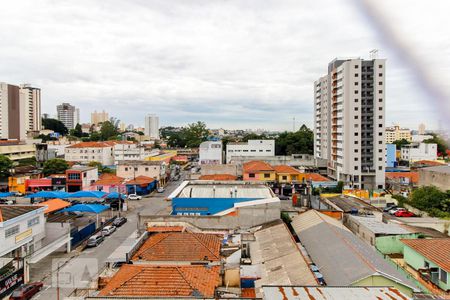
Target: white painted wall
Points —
{"points": [[255, 148], [210, 153]]}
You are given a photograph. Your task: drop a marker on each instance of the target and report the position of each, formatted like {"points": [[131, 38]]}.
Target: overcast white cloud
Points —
{"points": [[247, 64]]}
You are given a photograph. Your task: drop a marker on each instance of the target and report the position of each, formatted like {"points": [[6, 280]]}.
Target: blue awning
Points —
{"points": [[7, 194], [91, 208], [49, 194], [115, 195], [87, 194]]}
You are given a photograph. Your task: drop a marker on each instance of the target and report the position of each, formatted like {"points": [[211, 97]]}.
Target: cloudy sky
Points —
{"points": [[230, 63]]}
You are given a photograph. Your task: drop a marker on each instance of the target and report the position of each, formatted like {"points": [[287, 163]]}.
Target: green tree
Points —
{"points": [[77, 131], [5, 165], [428, 197], [55, 125], [108, 130], [55, 166], [176, 140], [100, 167], [194, 134], [299, 142], [400, 143], [254, 136], [442, 146]]}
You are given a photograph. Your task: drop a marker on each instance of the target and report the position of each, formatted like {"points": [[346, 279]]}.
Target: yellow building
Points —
{"points": [[16, 184], [286, 174], [258, 171], [166, 156], [396, 133], [16, 151]]}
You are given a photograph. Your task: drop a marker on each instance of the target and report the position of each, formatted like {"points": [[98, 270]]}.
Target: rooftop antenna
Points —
{"points": [[373, 54]]}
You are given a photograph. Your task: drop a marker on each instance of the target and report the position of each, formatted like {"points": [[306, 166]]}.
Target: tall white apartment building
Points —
{"points": [[253, 148], [20, 110], [210, 153], [152, 126], [349, 118], [68, 114]]}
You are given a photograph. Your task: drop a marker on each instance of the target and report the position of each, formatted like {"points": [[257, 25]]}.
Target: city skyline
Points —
{"points": [[253, 69]]}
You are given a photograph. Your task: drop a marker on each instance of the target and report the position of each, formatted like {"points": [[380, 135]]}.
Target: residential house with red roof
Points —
{"points": [[109, 183], [258, 171]]}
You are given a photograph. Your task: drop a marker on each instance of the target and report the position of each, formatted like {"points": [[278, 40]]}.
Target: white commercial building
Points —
{"points": [[68, 114], [86, 152], [20, 111], [133, 169], [349, 121], [132, 151], [418, 151], [210, 153], [256, 148], [152, 127]]}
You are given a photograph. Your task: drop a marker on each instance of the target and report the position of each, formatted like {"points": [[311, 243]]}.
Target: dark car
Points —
{"points": [[389, 207], [119, 221], [26, 291], [95, 240]]}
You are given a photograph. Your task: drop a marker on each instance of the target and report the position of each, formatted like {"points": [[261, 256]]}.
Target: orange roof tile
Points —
{"points": [[180, 246], [256, 166], [431, 163], [286, 169], [141, 180], [218, 177], [312, 177], [109, 179], [413, 176], [54, 205], [163, 281], [436, 250], [248, 293], [92, 145], [165, 229]]}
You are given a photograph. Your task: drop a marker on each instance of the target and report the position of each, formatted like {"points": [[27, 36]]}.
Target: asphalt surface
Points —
{"points": [[78, 267]]}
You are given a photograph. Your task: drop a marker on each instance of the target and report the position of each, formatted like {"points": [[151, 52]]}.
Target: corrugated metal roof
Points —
{"points": [[280, 261], [225, 191], [331, 293], [379, 227], [342, 257]]}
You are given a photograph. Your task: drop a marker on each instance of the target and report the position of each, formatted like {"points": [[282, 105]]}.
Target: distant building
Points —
{"points": [[349, 118], [418, 151], [210, 153], [132, 151], [20, 111], [99, 117], [152, 126], [16, 150], [395, 133], [438, 176], [258, 171], [391, 155], [422, 129], [86, 152], [254, 148], [68, 114], [134, 168], [419, 138]]}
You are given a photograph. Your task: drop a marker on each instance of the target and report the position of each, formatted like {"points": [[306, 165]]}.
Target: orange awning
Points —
{"points": [[54, 205]]}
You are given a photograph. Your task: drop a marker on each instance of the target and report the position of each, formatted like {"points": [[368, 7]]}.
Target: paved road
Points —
{"points": [[93, 259]]}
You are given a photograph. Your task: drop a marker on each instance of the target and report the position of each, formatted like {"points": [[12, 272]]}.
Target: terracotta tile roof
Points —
{"points": [[180, 246], [248, 293], [109, 179], [219, 177], [163, 281], [313, 177], [413, 176], [436, 250], [256, 166], [165, 229], [141, 180], [54, 205], [286, 169], [92, 145], [431, 163]]}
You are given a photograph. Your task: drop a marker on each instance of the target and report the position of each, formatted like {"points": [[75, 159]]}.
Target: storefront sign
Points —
{"points": [[24, 235]]}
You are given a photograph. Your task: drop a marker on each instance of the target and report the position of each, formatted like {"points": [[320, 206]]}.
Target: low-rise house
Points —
{"points": [[153, 169], [109, 183], [286, 174], [80, 178], [343, 258], [86, 152], [438, 176], [258, 171], [399, 181], [431, 258], [141, 185]]}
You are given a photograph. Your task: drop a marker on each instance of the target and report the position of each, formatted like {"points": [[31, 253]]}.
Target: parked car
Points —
{"points": [[119, 221], [160, 189], [404, 214], [108, 230], [389, 207], [134, 197], [26, 291], [95, 240], [6, 201], [394, 210]]}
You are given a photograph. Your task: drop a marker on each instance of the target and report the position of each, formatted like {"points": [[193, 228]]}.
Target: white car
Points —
{"points": [[108, 230], [160, 190], [394, 210], [134, 197]]}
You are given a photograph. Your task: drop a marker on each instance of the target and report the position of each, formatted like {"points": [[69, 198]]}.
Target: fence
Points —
{"points": [[78, 236]]}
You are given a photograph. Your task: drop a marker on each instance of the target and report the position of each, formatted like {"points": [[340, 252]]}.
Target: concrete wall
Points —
{"points": [[438, 179], [245, 217], [220, 169], [391, 244]]}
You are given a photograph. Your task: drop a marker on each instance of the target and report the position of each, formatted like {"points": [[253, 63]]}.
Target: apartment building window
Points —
{"points": [[356, 100], [380, 91], [380, 125], [356, 91], [356, 118], [356, 83], [12, 231], [267, 150], [380, 150], [380, 133], [33, 222], [380, 108], [356, 159], [356, 66], [380, 66], [356, 142], [356, 108], [380, 159], [380, 100], [380, 83], [356, 125], [380, 142], [356, 168], [74, 176], [380, 168], [380, 117], [356, 133], [356, 74], [356, 150]]}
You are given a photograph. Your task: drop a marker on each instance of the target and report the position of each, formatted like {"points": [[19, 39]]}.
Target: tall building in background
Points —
{"points": [[152, 126], [20, 111], [422, 129], [99, 117], [68, 114], [349, 118], [395, 133]]}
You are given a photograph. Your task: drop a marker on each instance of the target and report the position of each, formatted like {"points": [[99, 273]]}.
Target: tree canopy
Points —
{"points": [[431, 200], [5, 165], [55, 166], [108, 130], [191, 136], [55, 125], [77, 131], [301, 141]]}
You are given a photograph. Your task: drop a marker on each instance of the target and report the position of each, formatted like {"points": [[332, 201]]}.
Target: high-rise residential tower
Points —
{"points": [[20, 110], [99, 117], [349, 121], [68, 114], [152, 126]]}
